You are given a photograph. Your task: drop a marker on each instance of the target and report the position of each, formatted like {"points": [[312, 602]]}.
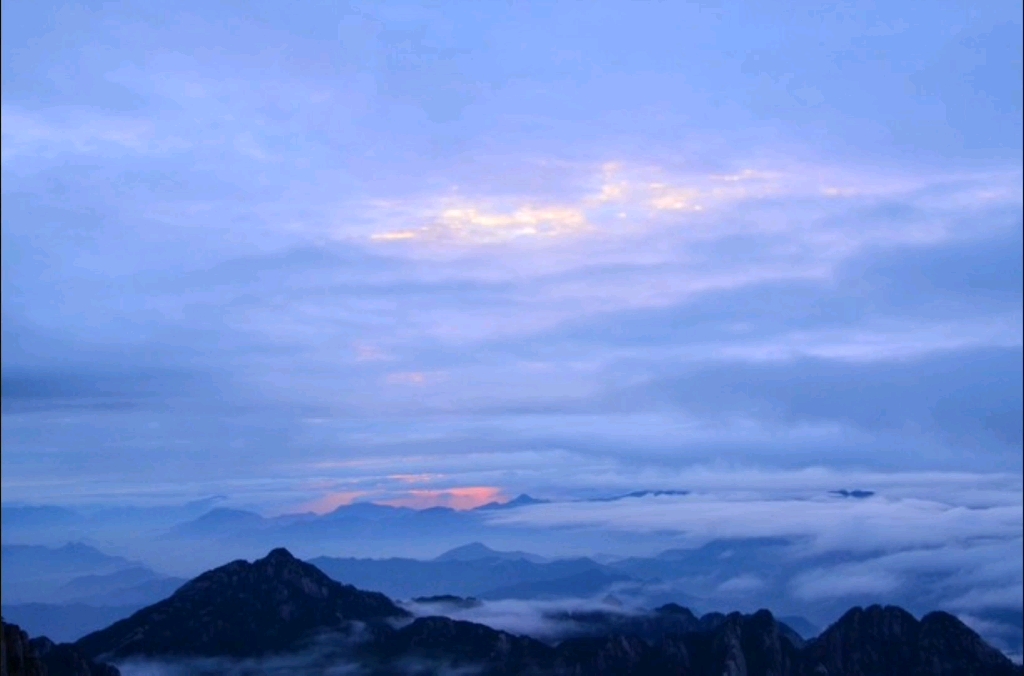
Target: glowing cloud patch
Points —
{"points": [[394, 236], [473, 225], [464, 498], [331, 501], [667, 198]]}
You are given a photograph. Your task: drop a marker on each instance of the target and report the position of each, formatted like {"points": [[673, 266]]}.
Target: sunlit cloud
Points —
{"points": [[463, 498], [474, 225], [669, 198], [331, 501], [627, 202]]}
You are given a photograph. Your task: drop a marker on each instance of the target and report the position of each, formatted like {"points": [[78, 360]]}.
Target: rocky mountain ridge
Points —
{"points": [[22, 656], [279, 604]]}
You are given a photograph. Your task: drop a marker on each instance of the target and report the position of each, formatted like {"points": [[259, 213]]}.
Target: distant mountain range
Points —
{"points": [[78, 573], [475, 570], [66, 592], [280, 608]]}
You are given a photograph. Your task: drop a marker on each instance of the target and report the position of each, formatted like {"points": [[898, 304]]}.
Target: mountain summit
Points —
{"points": [[476, 551], [279, 605], [242, 609]]}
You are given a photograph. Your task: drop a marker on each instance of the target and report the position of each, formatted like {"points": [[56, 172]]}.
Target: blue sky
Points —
{"points": [[303, 255]]}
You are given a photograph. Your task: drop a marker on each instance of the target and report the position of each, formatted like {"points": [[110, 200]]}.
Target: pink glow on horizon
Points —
{"points": [[331, 501], [464, 498]]}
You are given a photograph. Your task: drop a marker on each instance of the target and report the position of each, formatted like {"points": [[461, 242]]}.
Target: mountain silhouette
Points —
{"points": [[477, 551], [277, 605], [22, 656], [242, 609]]}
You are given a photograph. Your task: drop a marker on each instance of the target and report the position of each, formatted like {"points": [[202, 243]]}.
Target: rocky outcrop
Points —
{"points": [[17, 656], [455, 644], [889, 641], [63, 659], [40, 656]]}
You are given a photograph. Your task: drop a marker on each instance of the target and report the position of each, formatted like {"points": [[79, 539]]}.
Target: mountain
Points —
{"points": [[518, 501], [218, 521], [449, 601], [855, 493], [242, 609], [133, 586], [77, 574], [40, 656], [35, 573], [67, 621], [640, 494], [33, 562], [889, 640], [475, 551], [50, 525], [17, 656], [279, 606]]}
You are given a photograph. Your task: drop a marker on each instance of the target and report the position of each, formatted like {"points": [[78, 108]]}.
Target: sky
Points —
{"points": [[445, 253]]}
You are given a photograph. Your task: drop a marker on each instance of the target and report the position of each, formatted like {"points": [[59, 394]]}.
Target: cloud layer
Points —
{"points": [[401, 242]]}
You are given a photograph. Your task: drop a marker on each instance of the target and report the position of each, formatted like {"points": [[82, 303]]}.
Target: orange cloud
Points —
{"points": [[457, 498], [331, 501]]}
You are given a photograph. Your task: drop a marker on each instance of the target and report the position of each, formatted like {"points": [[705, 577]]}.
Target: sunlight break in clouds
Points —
{"points": [[467, 497], [632, 200], [470, 225]]}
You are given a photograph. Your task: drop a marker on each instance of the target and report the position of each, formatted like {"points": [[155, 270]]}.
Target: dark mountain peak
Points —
{"points": [[279, 555], [64, 659], [676, 609], [473, 550], [477, 551], [520, 500], [457, 643], [855, 493], [18, 655], [960, 647], [524, 499], [640, 494], [711, 620], [889, 640], [22, 656], [449, 600], [242, 609], [878, 619]]}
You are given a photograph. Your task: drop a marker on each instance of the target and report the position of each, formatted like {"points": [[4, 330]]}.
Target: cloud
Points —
{"points": [[541, 619], [472, 226], [741, 584], [843, 583], [26, 134], [331, 501], [461, 498], [189, 233], [881, 523]]}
